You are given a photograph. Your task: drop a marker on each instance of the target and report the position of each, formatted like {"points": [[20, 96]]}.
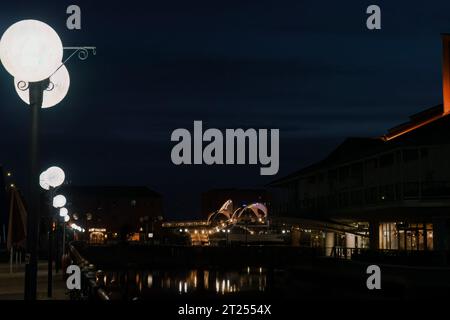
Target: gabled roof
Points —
{"points": [[428, 127], [415, 121], [112, 191], [350, 149]]}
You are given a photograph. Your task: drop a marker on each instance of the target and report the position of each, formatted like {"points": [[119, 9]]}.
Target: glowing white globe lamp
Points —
{"points": [[59, 86], [63, 212], [66, 218], [43, 181], [55, 176], [59, 201], [31, 50]]}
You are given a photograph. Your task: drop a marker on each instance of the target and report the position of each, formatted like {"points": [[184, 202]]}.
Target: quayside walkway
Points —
{"points": [[12, 283]]}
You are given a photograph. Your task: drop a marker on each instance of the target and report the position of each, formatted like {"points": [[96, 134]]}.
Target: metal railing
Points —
{"points": [[343, 252], [92, 281]]}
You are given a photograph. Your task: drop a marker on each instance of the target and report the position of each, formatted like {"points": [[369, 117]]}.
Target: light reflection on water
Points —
{"points": [[221, 282]]}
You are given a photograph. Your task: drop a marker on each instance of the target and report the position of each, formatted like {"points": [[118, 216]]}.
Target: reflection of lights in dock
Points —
{"points": [[191, 281]]}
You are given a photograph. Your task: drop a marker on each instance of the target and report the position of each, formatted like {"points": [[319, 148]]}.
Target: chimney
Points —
{"points": [[446, 72]]}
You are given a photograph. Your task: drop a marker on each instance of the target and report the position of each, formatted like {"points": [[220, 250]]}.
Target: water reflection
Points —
{"points": [[185, 281]]}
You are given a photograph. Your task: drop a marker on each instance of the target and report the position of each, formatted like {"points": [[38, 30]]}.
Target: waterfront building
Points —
{"points": [[389, 192], [115, 212]]}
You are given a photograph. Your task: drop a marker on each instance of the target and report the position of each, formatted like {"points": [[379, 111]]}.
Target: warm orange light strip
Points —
{"points": [[387, 138]]}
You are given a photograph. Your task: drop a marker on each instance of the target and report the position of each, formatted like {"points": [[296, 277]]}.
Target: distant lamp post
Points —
{"points": [[63, 212], [50, 179], [43, 181], [53, 177], [59, 201], [66, 218]]}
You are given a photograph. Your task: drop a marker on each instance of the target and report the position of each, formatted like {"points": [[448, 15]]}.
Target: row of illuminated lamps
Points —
{"points": [[209, 231], [203, 231], [54, 177]]}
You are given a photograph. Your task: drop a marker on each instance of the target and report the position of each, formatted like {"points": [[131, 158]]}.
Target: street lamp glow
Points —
{"points": [[59, 201], [43, 181], [31, 50], [66, 218], [63, 212], [52, 177], [59, 82]]}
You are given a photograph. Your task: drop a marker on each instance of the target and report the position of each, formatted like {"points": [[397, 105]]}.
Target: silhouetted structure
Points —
{"points": [[113, 211], [4, 210]]}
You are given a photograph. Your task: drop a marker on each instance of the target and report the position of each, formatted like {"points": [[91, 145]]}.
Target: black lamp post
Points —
{"points": [[36, 91]]}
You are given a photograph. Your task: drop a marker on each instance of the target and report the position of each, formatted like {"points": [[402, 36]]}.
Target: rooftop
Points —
{"points": [[427, 127], [113, 191]]}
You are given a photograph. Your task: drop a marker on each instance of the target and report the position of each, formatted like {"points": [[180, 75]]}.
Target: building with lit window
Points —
{"points": [[113, 212]]}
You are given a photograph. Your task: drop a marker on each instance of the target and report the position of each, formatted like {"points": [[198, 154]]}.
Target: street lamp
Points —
{"points": [[32, 52], [50, 179], [63, 212], [53, 177], [59, 201]]}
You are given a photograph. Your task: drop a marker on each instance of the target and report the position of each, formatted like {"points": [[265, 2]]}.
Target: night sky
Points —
{"points": [[310, 68]]}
